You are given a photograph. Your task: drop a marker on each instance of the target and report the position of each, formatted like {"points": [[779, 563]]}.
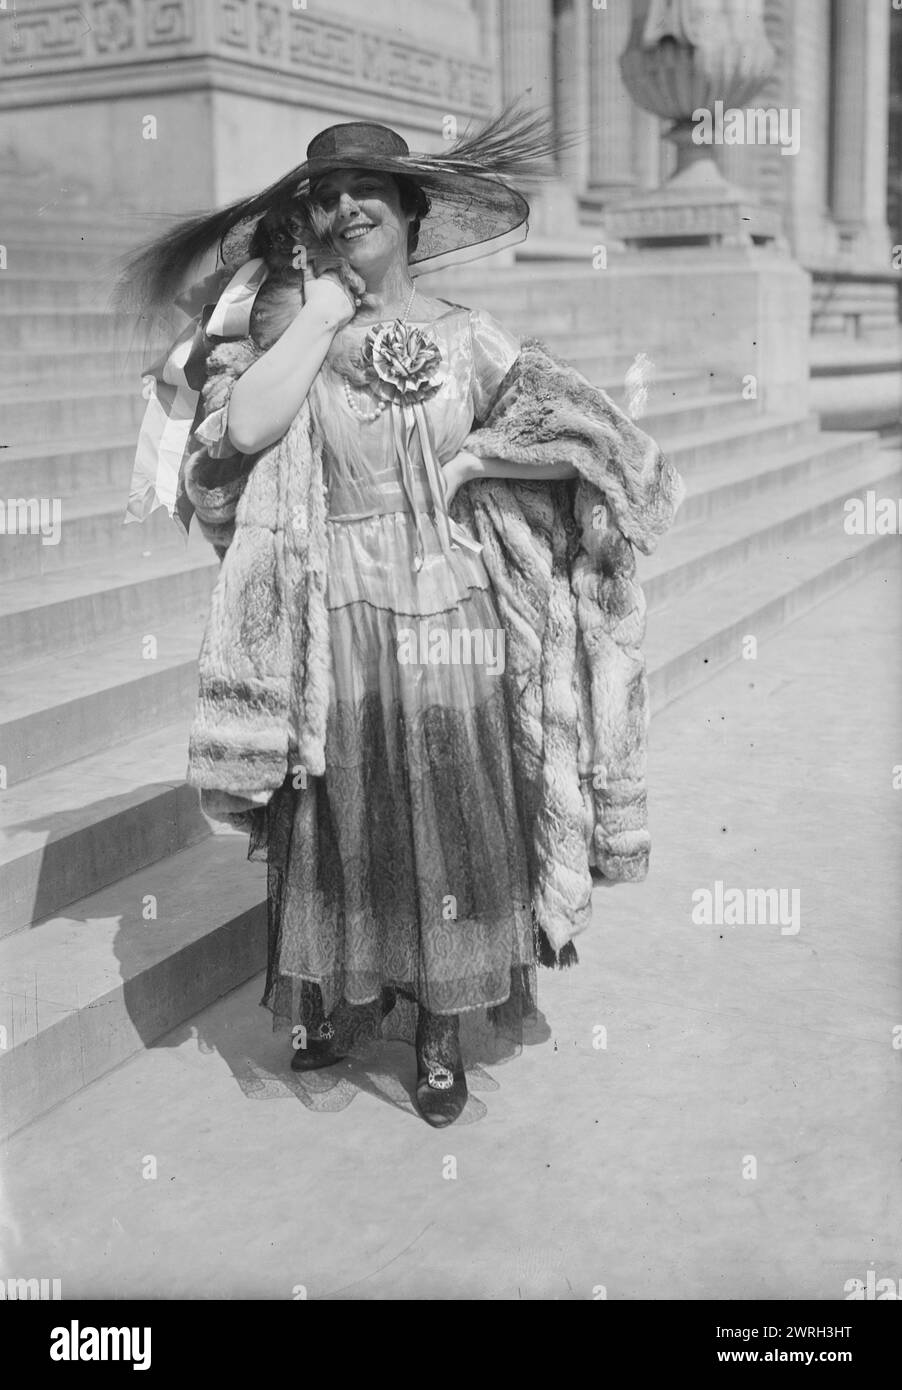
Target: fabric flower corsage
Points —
{"points": [[402, 362]]}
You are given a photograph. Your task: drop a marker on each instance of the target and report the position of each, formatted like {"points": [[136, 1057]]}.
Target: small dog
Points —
{"points": [[295, 239]]}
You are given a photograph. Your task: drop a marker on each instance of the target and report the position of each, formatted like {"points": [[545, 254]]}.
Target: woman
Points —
{"points": [[382, 777]]}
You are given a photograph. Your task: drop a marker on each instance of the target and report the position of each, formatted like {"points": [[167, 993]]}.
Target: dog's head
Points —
{"points": [[295, 239]]}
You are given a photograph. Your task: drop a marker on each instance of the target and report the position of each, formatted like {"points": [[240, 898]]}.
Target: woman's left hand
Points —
{"points": [[456, 472]]}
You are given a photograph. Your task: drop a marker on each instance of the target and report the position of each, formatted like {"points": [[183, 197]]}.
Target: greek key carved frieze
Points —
{"points": [[318, 44], [100, 31], [61, 36], [233, 23], [168, 21], [270, 32], [51, 34], [113, 30]]}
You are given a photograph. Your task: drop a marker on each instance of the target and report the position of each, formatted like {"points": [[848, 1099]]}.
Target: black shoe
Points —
{"points": [[350, 1024], [441, 1080], [321, 1050]]}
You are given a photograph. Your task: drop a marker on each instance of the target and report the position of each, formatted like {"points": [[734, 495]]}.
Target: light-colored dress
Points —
{"points": [[404, 867]]}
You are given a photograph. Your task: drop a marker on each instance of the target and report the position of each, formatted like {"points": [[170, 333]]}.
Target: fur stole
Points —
{"points": [[561, 560], [264, 661]]}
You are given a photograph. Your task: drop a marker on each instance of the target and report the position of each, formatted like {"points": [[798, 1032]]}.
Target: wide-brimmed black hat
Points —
{"points": [[473, 209], [470, 203]]}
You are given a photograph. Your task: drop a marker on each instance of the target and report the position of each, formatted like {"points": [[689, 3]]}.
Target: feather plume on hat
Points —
{"points": [[473, 209]]}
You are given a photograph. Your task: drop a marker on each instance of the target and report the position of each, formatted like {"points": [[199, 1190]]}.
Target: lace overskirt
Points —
{"points": [[404, 868]]}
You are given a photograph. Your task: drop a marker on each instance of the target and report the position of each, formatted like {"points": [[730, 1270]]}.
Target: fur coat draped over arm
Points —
{"points": [[560, 556]]}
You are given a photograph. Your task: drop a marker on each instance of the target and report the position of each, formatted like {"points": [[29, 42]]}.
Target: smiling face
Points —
{"points": [[368, 223]]}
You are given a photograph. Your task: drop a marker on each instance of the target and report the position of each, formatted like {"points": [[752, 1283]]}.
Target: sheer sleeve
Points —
{"points": [[494, 352]]}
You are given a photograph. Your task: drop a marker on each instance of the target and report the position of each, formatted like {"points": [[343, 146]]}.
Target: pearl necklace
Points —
{"points": [[369, 415]]}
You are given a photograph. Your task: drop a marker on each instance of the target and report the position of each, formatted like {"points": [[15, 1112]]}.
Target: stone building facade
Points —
{"points": [[158, 106]]}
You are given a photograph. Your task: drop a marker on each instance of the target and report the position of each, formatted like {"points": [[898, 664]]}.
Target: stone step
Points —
{"points": [[88, 527], [39, 411], [733, 480], [827, 291], [875, 321], [692, 636], [66, 366], [73, 608], [465, 284], [88, 988], [714, 411], [55, 712], [68, 833], [31, 290], [49, 328], [76, 261], [48, 220], [66, 467], [664, 388], [771, 434], [725, 542]]}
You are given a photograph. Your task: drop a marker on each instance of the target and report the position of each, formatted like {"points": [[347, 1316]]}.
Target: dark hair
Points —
{"points": [[413, 199]]}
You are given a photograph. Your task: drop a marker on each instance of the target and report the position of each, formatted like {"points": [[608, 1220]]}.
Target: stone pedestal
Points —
{"points": [[737, 313], [696, 207]]}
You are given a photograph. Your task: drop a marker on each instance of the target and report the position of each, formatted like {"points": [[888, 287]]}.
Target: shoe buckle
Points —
{"points": [[440, 1078], [326, 1031]]}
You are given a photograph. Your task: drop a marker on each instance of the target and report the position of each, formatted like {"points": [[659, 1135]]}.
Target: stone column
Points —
{"points": [[571, 88], [861, 127], [611, 111], [805, 43], [527, 70], [526, 52]]}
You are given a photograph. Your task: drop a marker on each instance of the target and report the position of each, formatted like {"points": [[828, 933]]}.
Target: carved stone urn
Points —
{"points": [[684, 56]]}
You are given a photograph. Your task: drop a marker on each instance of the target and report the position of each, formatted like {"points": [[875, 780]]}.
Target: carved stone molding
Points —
{"points": [[57, 36]]}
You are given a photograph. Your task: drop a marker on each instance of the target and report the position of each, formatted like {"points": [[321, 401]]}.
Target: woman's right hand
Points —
{"points": [[267, 397], [328, 298]]}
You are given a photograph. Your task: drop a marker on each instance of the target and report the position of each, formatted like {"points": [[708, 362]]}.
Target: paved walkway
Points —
{"points": [[730, 1051]]}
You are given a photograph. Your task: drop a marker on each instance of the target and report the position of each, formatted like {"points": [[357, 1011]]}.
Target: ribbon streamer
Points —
{"points": [[177, 377], [406, 418]]}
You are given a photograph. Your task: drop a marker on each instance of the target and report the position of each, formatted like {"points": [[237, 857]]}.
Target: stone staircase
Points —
{"points": [[123, 911]]}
